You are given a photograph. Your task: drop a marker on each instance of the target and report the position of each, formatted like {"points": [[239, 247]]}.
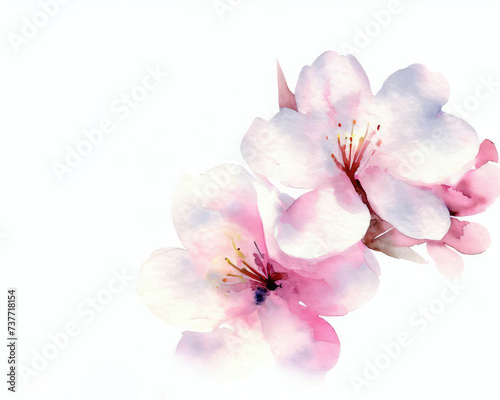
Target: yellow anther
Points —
{"points": [[238, 251], [231, 264]]}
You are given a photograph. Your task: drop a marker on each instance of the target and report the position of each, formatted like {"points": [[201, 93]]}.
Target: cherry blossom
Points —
{"points": [[392, 169], [240, 300]]}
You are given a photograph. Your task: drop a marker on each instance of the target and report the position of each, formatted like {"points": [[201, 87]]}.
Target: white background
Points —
{"points": [[61, 240]]}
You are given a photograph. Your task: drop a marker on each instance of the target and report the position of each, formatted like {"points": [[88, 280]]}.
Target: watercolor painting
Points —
{"points": [[404, 167], [260, 267], [250, 199], [239, 297]]}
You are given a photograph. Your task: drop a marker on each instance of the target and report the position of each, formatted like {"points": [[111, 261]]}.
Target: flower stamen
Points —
{"points": [[244, 271], [265, 279], [356, 154], [258, 250]]}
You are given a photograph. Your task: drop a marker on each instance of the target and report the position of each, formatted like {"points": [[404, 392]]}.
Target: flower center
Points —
{"points": [[355, 152], [353, 149], [262, 278]]}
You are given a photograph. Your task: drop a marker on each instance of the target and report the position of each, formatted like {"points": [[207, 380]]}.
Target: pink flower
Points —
{"points": [[240, 299], [385, 168]]}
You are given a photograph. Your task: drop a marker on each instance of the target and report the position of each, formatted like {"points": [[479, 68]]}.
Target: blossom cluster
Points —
{"points": [[383, 172]]}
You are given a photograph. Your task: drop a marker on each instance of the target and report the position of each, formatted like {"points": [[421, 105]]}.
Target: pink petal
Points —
{"points": [[447, 261], [474, 193], [323, 221], [333, 85], [352, 286], [217, 213], [298, 338], [286, 97], [337, 285], [467, 237], [487, 152]]}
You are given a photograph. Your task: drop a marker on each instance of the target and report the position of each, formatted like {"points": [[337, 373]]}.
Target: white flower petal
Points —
{"points": [[170, 286], [429, 89], [226, 354], [427, 144], [415, 212], [291, 148], [323, 221]]}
